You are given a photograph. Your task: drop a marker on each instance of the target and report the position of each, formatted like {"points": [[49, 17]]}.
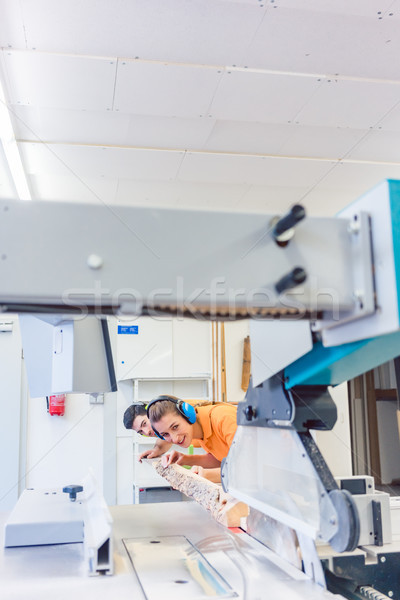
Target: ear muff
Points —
{"points": [[187, 411]]}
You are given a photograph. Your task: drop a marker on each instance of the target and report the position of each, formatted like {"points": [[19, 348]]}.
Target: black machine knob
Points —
{"points": [[72, 490], [282, 229], [291, 280], [250, 413]]}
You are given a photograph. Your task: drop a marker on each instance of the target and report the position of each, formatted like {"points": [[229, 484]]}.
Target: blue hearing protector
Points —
{"points": [[186, 410]]}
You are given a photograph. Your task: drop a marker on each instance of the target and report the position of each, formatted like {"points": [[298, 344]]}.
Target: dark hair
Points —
{"points": [[133, 411], [167, 405]]}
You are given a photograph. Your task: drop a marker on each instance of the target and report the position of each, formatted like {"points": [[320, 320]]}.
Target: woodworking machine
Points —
{"points": [[323, 295]]}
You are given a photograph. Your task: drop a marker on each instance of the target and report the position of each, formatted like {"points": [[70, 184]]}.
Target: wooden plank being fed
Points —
{"points": [[223, 507]]}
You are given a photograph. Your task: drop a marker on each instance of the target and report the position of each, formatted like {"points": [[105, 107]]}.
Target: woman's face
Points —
{"points": [[175, 429]]}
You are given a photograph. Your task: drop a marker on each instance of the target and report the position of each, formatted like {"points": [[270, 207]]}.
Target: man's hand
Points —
{"points": [[154, 452], [159, 448]]}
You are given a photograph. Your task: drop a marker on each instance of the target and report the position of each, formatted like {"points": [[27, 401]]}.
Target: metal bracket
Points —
{"points": [[302, 407]]}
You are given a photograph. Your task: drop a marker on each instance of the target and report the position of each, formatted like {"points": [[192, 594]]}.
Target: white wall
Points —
{"points": [[12, 413], [61, 449]]}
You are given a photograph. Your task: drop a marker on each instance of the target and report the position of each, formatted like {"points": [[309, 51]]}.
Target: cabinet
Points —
{"points": [[163, 347], [188, 388]]}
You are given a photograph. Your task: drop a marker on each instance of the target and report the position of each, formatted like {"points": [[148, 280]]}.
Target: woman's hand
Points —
{"points": [[173, 457]]}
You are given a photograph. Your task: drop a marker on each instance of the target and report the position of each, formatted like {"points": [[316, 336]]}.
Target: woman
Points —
{"points": [[212, 427]]}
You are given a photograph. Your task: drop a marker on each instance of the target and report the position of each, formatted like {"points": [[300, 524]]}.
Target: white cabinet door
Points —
{"points": [[191, 347], [145, 351]]}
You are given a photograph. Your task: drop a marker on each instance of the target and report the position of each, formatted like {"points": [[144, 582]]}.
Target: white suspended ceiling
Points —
{"points": [[240, 105]]}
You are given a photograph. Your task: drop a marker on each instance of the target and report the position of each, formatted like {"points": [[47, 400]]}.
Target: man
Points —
{"points": [[212, 427], [135, 417]]}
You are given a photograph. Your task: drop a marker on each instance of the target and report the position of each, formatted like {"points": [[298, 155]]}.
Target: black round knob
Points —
{"points": [[294, 216], [295, 277], [250, 413], [72, 490]]}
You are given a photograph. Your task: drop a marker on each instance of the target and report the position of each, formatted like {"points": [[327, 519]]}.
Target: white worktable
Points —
{"points": [[58, 572]]}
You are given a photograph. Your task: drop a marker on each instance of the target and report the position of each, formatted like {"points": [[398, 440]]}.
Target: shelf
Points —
{"points": [[201, 377]]}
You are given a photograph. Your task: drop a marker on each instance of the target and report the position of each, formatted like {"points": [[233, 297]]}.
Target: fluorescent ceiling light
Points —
{"points": [[11, 150]]}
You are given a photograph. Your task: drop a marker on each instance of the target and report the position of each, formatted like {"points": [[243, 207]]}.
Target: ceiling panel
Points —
{"points": [[358, 178], [248, 137], [321, 142], [69, 188], [267, 98], [344, 103], [200, 31], [326, 202], [296, 39], [180, 194], [255, 170], [86, 161], [112, 128], [168, 132], [359, 8], [271, 199], [378, 146], [12, 33], [50, 80], [391, 121], [150, 88], [36, 123]]}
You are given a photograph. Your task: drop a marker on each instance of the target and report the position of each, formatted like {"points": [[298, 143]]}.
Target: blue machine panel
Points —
{"points": [[331, 366]]}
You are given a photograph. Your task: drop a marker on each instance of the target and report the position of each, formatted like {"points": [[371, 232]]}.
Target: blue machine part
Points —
{"points": [[335, 364], [331, 366]]}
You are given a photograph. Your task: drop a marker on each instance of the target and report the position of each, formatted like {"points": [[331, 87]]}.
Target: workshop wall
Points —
{"points": [[12, 402], [62, 449]]}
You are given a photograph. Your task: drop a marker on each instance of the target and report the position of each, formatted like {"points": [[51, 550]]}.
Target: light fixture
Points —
{"points": [[11, 150]]}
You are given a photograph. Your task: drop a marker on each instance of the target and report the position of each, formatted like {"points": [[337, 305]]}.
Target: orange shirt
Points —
{"points": [[219, 425]]}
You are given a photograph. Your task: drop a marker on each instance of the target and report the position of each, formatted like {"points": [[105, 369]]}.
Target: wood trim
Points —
{"points": [[223, 365], [216, 362], [213, 359], [246, 368], [373, 427]]}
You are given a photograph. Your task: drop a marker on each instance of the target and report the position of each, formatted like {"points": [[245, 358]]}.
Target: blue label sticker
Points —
{"points": [[128, 329]]}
